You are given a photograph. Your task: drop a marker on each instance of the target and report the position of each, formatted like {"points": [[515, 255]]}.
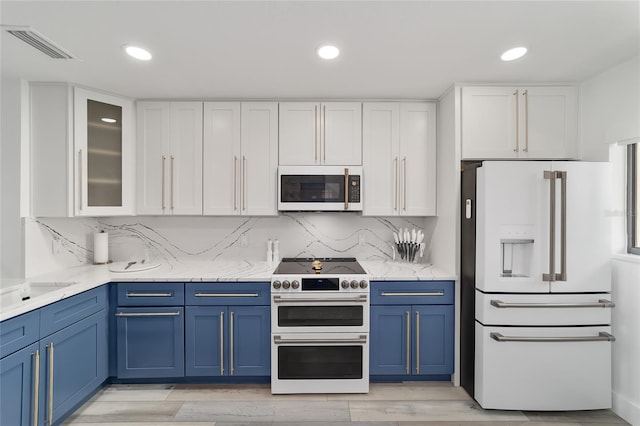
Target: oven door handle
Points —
{"points": [[281, 299], [278, 340]]}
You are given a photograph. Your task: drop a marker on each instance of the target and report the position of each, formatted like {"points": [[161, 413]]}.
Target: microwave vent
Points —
{"points": [[40, 42]]}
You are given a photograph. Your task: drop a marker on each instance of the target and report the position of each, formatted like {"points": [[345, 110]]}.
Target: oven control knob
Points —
{"points": [[354, 284], [286, 284], [295, 284], [363, 284], [277, 284], [345, 284]]}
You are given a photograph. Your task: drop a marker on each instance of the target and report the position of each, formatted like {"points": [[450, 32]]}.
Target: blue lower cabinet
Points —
{"points": [[433, 339], [150, 342], [73, 364], [228, 341], [390, 346], [17, 387]]}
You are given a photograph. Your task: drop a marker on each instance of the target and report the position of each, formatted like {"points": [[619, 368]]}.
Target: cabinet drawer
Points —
{"points": [[18, 332], [256, 293], [150, 294], [68, 311], [412, 292]]}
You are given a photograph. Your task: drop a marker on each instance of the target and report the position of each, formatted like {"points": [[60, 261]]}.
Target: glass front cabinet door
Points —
{"points": [[103, 154]]}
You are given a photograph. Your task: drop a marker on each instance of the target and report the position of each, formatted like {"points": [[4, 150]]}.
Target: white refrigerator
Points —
{"points": [[536, 282]]}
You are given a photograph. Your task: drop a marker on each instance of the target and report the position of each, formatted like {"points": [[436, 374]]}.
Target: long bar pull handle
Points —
{"points": [[562, 276], [231, 369], [408, 347], [517, 148], [172, 178], [346, 188], [550, 276], [49, 419], [149, 294], [430, 293], [148, 314], [324, 133], [235, 183], [244, 182], [226, 295], [164, 162], [36, 385], [601, 337], [602, 303], [221, 343], [397, 184], [80, 177], [279, 340], [526, 121], [404, 160], [315, 132], [281, 299], [417, 342]]}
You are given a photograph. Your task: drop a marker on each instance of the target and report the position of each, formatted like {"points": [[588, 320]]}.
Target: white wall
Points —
{"points": [[11, 241], [611, 112]]}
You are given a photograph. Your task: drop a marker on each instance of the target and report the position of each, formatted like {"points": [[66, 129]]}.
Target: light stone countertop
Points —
{"points": [[52, 287]]}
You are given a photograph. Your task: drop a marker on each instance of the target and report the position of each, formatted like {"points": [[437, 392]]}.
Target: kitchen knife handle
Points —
{"points": [[550, 276], [164, 161], [408, 343], [517, 148], [601, 337], [221, 343]]}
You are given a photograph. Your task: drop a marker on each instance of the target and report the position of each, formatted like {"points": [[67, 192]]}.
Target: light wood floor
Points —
{"points": [[388, 404]]}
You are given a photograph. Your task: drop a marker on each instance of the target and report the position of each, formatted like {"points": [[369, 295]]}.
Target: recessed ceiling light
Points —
{"points": [[515, 53], [137, 52], [108, 120], [328, 52]]}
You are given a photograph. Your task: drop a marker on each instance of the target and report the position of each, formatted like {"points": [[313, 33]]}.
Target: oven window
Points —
{"points": [[319, 362], [312, 189], [320, 316]]}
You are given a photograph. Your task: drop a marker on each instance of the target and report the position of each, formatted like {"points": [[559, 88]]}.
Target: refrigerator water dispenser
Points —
{"points": [[516, 256]]}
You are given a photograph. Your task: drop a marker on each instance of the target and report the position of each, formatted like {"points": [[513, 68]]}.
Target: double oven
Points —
{"points": [[319, 327]]}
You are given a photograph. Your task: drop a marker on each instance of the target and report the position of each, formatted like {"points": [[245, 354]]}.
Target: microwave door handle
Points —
{"points": [[346, 188]]}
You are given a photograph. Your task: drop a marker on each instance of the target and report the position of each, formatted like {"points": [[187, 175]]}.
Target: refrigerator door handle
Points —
{"points": [[551, 276], [562, 276]]}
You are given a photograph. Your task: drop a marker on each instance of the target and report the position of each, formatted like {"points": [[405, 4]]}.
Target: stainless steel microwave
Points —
{"points": [[320, 188]]}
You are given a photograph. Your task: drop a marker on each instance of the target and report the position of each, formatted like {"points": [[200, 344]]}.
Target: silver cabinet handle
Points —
{"points": [[397, 184], [278, 340], [346, 188], [231, 369], [244, 182], [563, 224], [80, 176], [164, 162], [315, 132], [517, 148], [404, 160], [49, 420], [433, 293], [281, 299], [221, 343], [36, 385], [172, 178], [226, 295], [601, 337], [324, 133], [417, 342], [550, 276], [602, 303], [408, 348], [148, 314], [526, 120], [235, 183], [149, 294]]}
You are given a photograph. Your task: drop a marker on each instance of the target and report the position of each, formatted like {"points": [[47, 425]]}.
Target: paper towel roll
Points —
{"points": [[100, 247]]}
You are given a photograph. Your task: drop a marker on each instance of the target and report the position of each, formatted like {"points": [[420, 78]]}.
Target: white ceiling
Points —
{"points": [[266, 49]]}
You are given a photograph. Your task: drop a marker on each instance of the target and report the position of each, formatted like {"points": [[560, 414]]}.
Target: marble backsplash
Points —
{"points": [[57, 243]]}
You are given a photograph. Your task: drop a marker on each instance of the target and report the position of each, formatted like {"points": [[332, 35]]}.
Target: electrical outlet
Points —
{"points": [[362, 238], [244, 240]]}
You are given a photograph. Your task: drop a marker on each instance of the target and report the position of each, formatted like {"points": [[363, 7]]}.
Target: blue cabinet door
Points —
{"points": [[206, 336], [389, 345], [432, 344], [150, 342], [73, 366], [17, 391], [250, 341]]}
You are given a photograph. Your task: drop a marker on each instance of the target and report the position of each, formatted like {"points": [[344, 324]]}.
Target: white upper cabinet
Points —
{"points": [[169, 158], [241, 158], [519, 122], [327, 133], [81, 152], [399, 158]]}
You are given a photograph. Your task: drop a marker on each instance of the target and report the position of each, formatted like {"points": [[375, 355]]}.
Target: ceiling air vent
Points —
{"points": [[40, 42]]}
